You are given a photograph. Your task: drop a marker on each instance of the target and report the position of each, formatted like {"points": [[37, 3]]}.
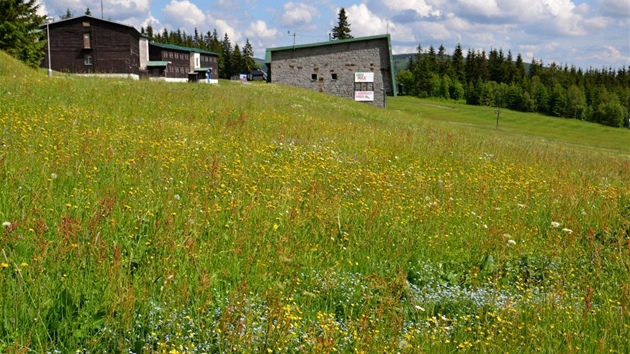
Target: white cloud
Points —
{"points": [[419, 6], [41, 8], [183, 14], [613, 55], [363, 22], [298, 14], [259, 29], [223, 28]]}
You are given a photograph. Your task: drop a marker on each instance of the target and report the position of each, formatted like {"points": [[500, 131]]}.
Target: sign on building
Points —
{"points": [[365, 96], [364, 87], [364, 77]]}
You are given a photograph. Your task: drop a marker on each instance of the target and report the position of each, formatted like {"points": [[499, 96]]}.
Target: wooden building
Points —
{"points": [[89, 45], [86, 44], [177, 63]]}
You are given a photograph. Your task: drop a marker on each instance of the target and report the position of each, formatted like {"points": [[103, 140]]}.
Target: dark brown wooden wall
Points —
{"points": [[114, 48]]}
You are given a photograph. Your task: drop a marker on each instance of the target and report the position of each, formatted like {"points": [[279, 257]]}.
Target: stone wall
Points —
{"points": [[330, 67]]}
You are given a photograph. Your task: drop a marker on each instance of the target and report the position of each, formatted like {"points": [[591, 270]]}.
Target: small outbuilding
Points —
{"points": [[256, 75], [358, 68]]}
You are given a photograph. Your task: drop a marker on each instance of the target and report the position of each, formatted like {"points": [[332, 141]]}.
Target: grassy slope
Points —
{"points": [[518, 125], [176, 217]]}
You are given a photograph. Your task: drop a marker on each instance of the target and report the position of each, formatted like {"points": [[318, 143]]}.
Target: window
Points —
{"points": [[86, 24], [87, 59], [334, 76], [86, 41], [313, 77]]}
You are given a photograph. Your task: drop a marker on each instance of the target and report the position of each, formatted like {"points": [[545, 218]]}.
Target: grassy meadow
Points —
{"points": [[149, 217]]}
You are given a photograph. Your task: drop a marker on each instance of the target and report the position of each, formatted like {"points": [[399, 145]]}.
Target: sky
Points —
{"points": [[581, 33]]}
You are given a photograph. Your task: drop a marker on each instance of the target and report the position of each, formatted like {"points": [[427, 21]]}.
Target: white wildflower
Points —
{"points": [[53, 176], [511, 242], [555, 224], [6, 225], [567, 230]]}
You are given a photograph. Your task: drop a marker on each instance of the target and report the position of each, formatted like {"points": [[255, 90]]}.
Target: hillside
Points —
{"points": [[148, 217]]}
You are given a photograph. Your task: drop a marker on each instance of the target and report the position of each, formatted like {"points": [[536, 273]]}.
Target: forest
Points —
{"points": [[499, 80]]}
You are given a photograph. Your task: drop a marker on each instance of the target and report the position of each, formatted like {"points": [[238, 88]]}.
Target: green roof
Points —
{"points": [[327, 43], [157, 63], [184, 49]]}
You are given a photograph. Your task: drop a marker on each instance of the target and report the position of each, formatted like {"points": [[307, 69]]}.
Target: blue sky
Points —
{"points": [[584, 33]]}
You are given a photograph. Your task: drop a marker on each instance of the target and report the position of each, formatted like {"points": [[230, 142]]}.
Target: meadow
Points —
{"points": [[147, 217]]}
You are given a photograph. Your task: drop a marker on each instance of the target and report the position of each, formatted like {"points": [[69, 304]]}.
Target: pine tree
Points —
{"points": [[19, 31], [236, 62], [88, 12], [342, 30], [248, 56], [458, 64], [68, 15], [225, 67], [150, 31]]}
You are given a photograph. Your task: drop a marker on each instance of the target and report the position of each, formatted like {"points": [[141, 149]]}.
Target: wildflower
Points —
{"points": [[4, 265], [53, 176], [567, 230], [511, 242], [555, 224], [6, 225], [177, 197], [403, 344]]}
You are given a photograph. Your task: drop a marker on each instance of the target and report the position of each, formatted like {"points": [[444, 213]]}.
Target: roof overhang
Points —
{"points": [[157, 63]]}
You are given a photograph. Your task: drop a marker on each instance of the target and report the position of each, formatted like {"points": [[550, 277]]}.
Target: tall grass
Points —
{"points": [[151, 217]]}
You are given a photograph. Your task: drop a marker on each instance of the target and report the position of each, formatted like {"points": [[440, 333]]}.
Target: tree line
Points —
{"points": [[232, 59], [500, 80]]}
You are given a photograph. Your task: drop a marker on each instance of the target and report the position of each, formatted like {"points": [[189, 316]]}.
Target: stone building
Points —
{"points": [[359, 68]]}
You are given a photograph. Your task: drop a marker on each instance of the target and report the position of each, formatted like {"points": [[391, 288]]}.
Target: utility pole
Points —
{"points": [[498, 112], [48, 20]]}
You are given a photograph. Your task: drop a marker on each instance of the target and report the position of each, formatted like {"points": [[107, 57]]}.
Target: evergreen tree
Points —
{"points": [[224, 58], [342, 30], [458, 65], [67, 15], [88, 12], [19, 31], [248, 56], [150, 31], [236, 62]]}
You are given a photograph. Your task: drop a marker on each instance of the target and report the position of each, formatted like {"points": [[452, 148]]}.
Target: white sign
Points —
{"points": [[364, 77], [364, 96]]}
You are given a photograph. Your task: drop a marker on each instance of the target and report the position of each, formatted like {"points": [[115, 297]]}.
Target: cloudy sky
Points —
{"points": [[584, 33]]}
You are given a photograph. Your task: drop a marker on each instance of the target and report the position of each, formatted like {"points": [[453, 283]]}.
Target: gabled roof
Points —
{"points": [[182, 49], [91, 18]]}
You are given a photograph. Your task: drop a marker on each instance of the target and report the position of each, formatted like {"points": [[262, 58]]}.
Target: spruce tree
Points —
{"points": [[19, 31], [248, 56], [342, 30], [68, 15]]}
